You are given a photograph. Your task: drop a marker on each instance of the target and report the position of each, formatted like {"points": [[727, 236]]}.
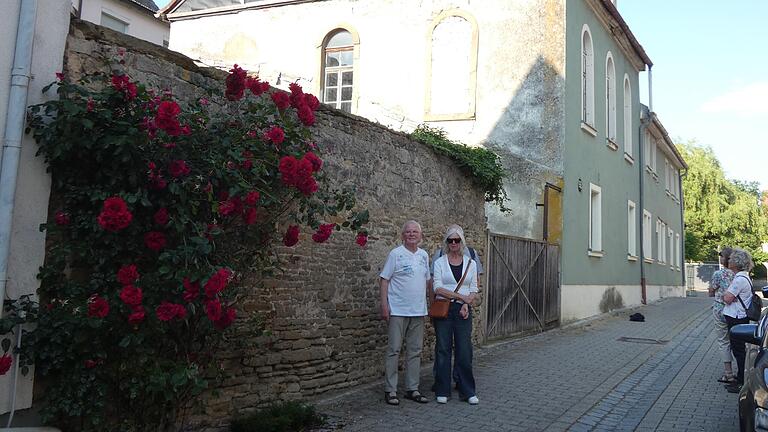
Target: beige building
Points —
{"points": [[132, 17]]}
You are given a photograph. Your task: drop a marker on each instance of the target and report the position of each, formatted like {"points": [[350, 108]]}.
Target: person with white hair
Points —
{"points": [[405, 284], [737, 298], [455, 279]]}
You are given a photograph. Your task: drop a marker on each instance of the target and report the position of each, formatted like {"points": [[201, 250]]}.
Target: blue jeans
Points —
{"points": [[454, 334]]}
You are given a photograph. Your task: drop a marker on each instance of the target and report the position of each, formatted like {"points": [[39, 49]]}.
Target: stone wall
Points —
{"points": [[321, 313]]}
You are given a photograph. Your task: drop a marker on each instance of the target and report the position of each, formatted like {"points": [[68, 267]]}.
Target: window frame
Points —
{"points": [[628, 119], [323, 69], [610, 102], [115, 17], [631, 230], [587, 81], [647, 236], [595, 240]]}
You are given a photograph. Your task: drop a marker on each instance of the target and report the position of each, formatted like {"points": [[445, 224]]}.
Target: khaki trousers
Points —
{"points": [[411, 331]]}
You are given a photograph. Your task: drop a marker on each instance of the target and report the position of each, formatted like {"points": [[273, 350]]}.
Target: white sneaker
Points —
{"points": [[473, 400], [442, 399]]}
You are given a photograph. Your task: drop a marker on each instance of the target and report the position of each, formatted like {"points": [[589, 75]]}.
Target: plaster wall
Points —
{"points": [[141, 24], [519, 75], [582, 301], [33, 184]]}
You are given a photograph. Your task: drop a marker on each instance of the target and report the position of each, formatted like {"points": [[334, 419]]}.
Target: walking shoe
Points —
{"points": [[442, 399], [473, 400], [733, 388]]}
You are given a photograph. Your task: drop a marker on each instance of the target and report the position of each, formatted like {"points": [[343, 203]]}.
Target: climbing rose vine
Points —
{"points": [[159, 209]]}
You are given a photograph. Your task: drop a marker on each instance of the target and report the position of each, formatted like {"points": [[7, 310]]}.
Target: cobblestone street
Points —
{"points": [[578, 378]]}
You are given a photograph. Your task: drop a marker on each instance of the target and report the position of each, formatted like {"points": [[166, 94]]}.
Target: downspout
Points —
{"points": [[14, 129], [680, 175], [645, 119], [650, 89]]}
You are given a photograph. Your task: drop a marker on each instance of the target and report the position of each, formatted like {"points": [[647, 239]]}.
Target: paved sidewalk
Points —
{"points": [[581, 378]]}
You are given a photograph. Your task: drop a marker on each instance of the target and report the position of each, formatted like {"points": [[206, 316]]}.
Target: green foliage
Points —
{"points": [[718, 211], [283, 417], [206, 180], [481, 164]]}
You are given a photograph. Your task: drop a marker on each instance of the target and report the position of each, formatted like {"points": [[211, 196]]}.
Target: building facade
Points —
{"points": [[132, 17], [551, 86]]}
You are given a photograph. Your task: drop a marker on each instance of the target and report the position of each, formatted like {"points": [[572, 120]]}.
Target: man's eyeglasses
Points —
{"points": [[453, 240]]}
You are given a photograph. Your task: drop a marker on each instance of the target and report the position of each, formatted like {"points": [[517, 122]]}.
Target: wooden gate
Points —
{"points": [[522, 286]]}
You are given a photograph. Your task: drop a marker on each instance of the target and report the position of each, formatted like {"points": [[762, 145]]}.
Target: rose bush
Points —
{"points": [[159, 208]]}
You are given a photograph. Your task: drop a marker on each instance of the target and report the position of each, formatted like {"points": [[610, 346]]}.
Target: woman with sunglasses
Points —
{"points": [[454, 333]]}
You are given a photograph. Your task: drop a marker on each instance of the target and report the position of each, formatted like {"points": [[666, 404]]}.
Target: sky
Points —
{"points": [[710, 75]]}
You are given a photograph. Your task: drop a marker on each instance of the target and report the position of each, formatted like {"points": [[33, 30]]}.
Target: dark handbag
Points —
{"points": [[439, 307], [755, 307]]}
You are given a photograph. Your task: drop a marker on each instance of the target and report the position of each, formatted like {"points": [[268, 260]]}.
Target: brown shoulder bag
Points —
{"points": [[439, 307]]}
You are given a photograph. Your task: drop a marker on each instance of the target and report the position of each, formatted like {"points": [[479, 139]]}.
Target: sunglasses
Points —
{"points": [[453, 240]]}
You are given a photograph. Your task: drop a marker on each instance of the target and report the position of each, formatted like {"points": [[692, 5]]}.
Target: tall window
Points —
{"points": [[452, 67], [610, 99], [595, 219], [667, 176], [678, 254], [647, 235], [587, 78], [338, 58], [627, 117], [631, 229], [661, 244], [671, 241]]}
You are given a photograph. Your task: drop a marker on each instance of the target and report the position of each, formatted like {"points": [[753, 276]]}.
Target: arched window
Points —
{"points": [[627, 117], [587, 78], [452, 67], [610, 100], [338, 64]]}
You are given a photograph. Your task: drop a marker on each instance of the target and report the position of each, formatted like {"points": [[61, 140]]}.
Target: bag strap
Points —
{"points": [[465, 275], [750, 292]]}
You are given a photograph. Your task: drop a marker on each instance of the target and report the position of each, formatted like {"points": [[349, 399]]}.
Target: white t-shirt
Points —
{"points": [[444, 276], [739, 287], [407, 273]]}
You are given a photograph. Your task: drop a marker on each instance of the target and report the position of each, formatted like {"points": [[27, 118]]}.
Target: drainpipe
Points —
{"points": [[645, 120], [680, 175], [650, 89], [14, 129]]}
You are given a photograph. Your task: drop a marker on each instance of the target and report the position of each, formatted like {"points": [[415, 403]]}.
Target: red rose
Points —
{"points": [[306, 115], [316, 162], [5, 363], [191, 290], [123, 84], [131, 295], [246, 165], [90, 105], [168, 109], [217, 282], [231, 206], [362, 238], [90, 364], [312, 102], [256, 86], [252, 197], [154, 240], [60, 76], [291, 236], [127, 274], [226, 319], [295, 88], [235, 83], [275, 135], [114, 215], [213, 309], [178, 168], [281, 100], [61, 218], [323, 233], [97, 307], [161, 216], [168, 311], [137, 315], [250, 215]]}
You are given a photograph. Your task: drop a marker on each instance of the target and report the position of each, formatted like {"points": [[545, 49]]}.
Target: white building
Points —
{"points": [[132, 17]]}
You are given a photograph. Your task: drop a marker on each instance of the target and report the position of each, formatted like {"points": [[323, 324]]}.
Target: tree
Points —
{"points": [[719, 211]]}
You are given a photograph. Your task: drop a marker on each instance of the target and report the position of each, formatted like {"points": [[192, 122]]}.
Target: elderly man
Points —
{"points": [[405, 282]]}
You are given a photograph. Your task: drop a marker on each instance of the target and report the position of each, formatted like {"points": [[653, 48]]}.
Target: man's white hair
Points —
{"points": [[411, 222]]}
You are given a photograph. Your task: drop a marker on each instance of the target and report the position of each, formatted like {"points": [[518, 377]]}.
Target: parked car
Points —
{"points": [[753, 397]]}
